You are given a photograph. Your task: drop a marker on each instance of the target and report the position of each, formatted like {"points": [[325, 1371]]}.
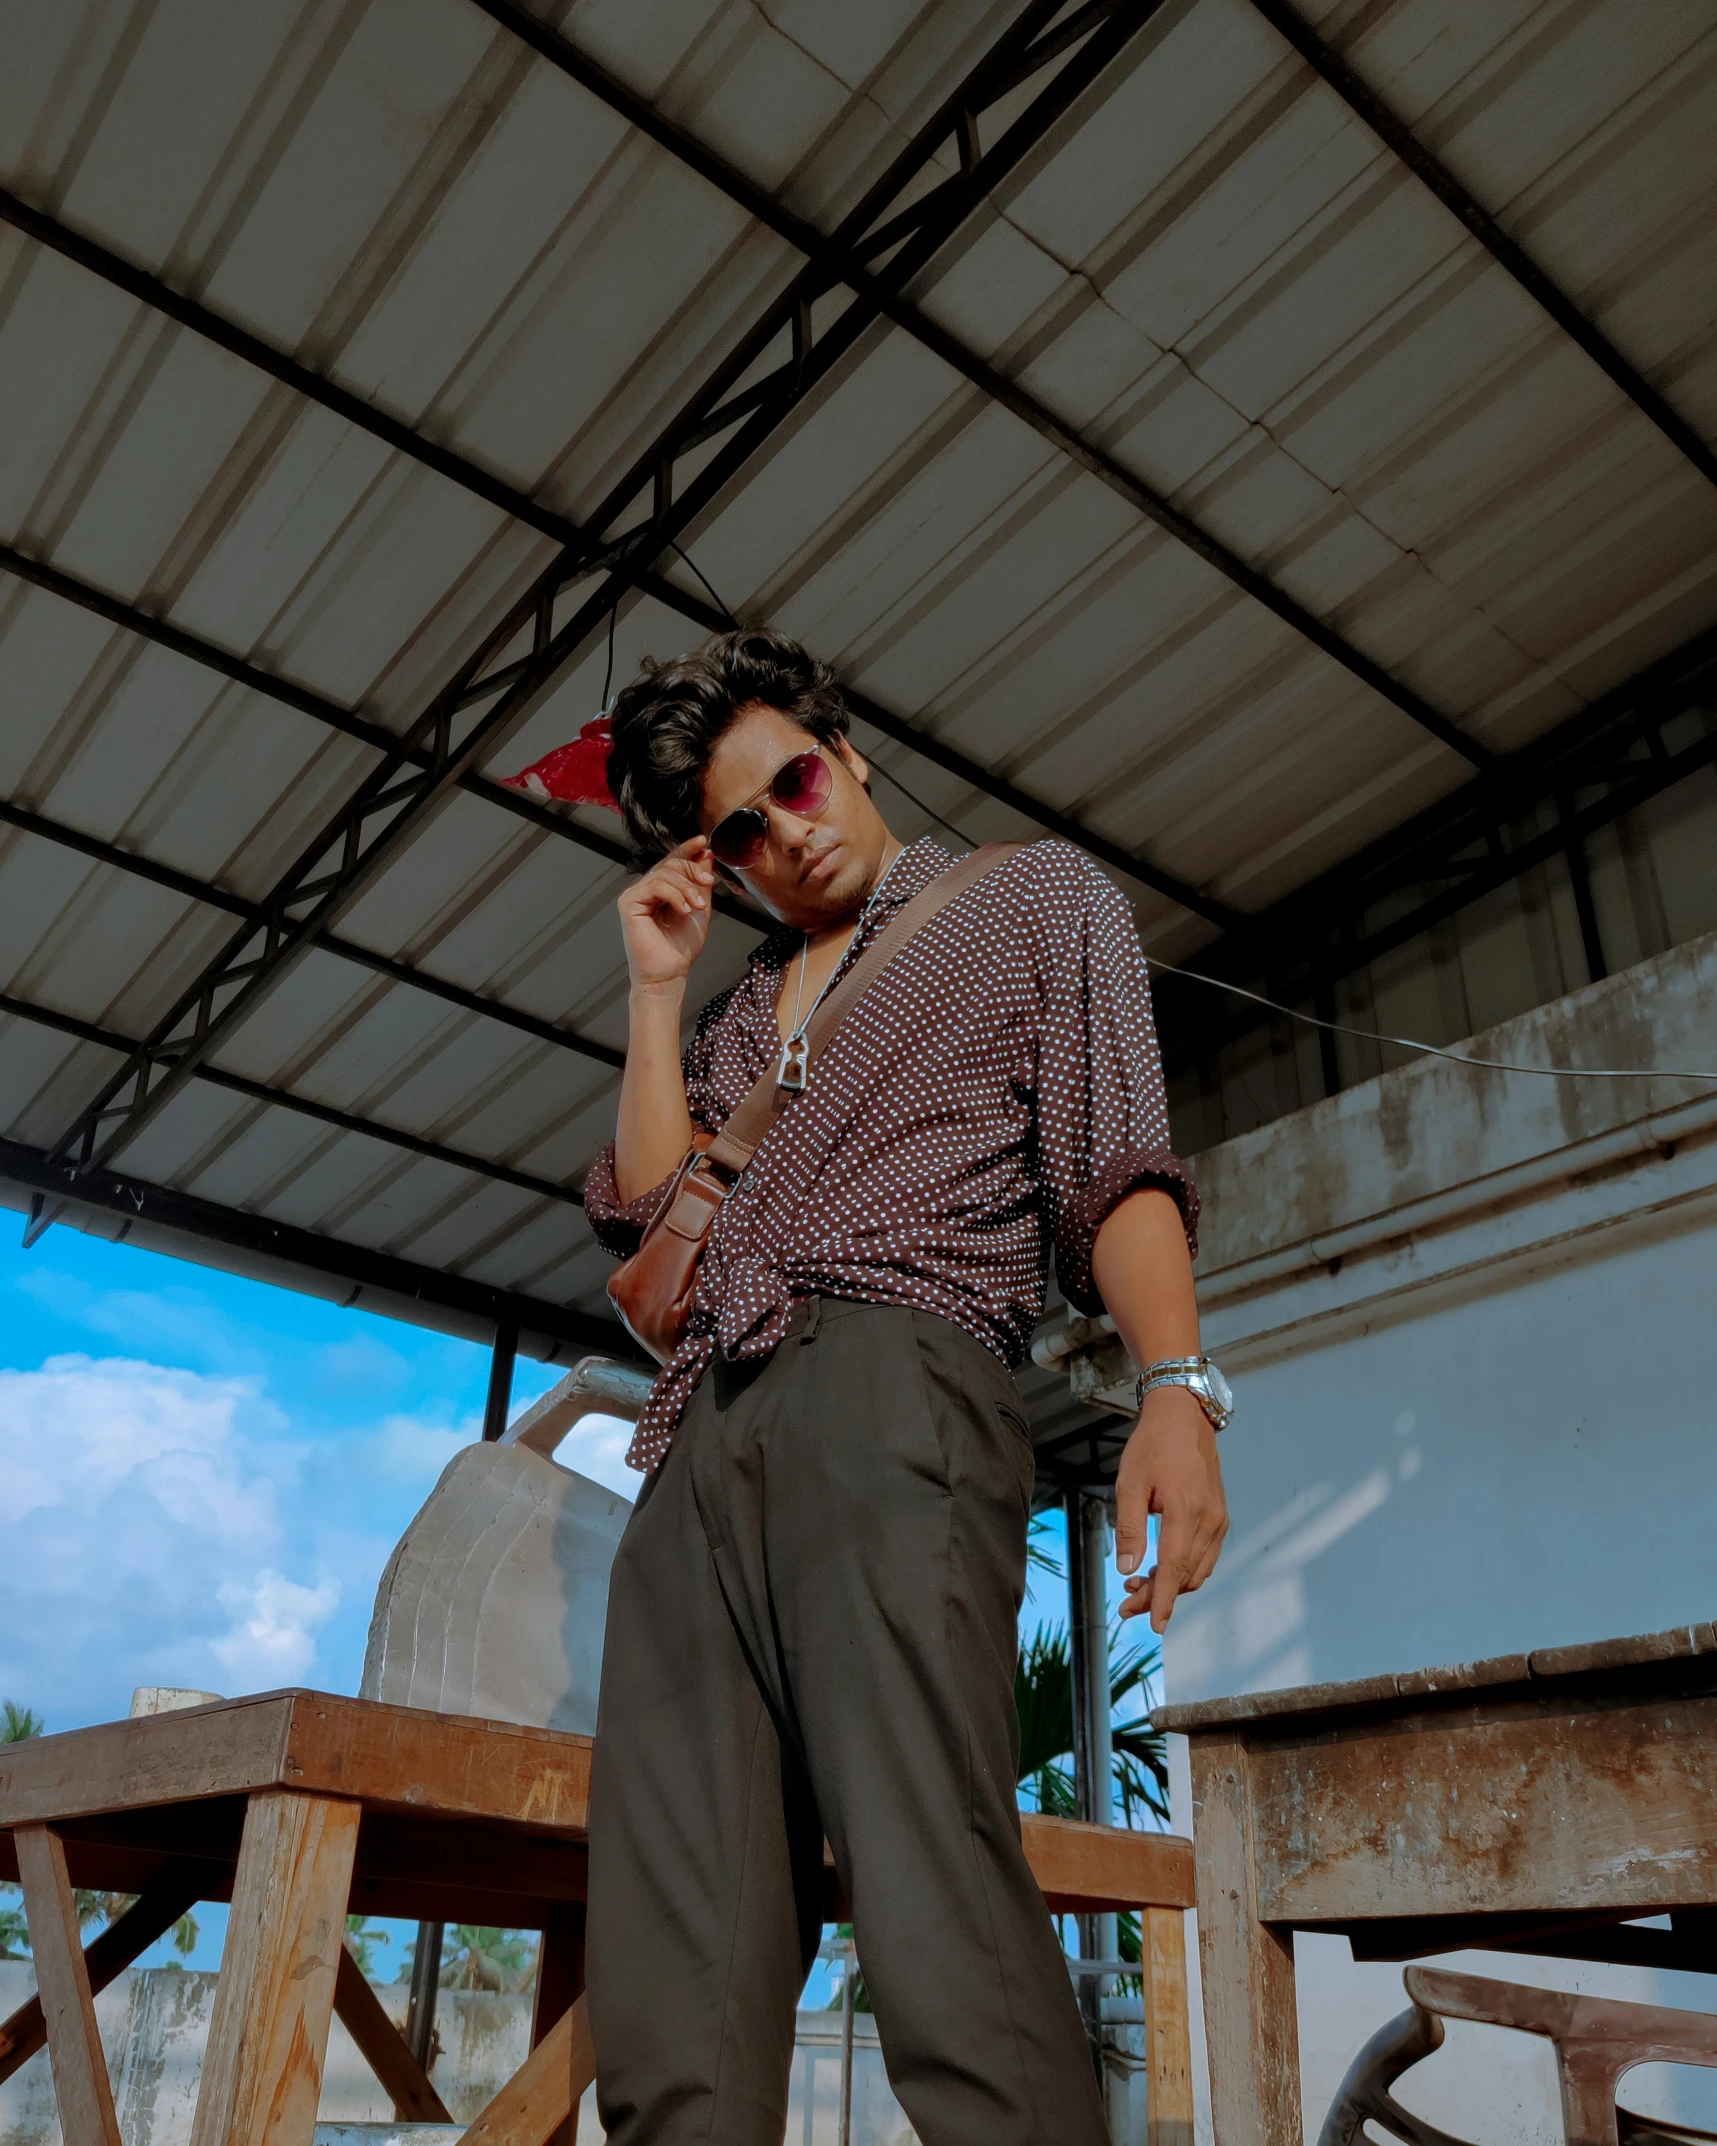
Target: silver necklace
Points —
{"points": [[793, 1072]]}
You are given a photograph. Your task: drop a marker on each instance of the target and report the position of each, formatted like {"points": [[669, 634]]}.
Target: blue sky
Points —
{"points": [[202, 1477]]}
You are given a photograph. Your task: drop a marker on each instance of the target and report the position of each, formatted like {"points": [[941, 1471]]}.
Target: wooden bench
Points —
{"points": [[1534, 1803], [300, 1807]]}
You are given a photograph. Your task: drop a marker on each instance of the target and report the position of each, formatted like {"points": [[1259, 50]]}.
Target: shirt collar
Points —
{"points": [[916, 866]]}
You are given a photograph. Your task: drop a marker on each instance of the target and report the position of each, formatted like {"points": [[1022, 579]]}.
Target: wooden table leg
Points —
{"points": [[155, 1910], [1250, 2018], [560, 1983], [545, 2089], [81, 2086], [1168, 2040], [384, 2048], [268, 2036]]}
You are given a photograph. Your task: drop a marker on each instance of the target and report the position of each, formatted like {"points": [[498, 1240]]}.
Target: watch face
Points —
{"points": [[1220, 1390]]}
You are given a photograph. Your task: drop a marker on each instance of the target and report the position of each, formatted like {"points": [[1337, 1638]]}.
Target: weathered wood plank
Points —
{"points": [[560, 1984], [1548, 1665], [82, 2090], [1168, 2036], [544, 2091], [476, 1857], [156, 1909], [268, 2036], [1250, 2018], [390, 1757], [401, 1758], [164, 1758], [383, 2047], [1088, 1869], [1507, 1808]]}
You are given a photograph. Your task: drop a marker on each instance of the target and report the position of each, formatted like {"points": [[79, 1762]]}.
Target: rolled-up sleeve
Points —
{"points": [[618, 1225], [1102, 1114]]}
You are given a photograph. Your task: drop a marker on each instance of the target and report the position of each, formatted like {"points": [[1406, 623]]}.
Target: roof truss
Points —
{"points": [[1508, 253], [647, 510]]}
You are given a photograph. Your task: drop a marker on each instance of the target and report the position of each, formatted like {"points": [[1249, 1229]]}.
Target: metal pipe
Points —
{"points": [[849, 1980], [425, 1986], [500, 1396]]}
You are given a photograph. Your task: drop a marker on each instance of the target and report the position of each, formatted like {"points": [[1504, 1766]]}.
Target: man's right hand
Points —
{"points": [[665, 916]]}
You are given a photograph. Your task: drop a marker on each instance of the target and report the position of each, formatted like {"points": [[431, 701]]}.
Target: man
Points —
{"points": [[813, 1616]]}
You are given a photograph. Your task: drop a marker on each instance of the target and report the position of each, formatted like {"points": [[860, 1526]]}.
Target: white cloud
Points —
{"points": [[410, 1450], [272, 1638], [136, 1499]]}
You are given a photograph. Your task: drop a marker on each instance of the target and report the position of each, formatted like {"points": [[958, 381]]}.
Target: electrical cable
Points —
{"points": [[1434, 1050], [708, 584], [1217, 983]]}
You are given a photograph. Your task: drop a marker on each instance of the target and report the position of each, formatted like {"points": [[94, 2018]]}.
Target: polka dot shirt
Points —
{"points": [[997, 1091]]}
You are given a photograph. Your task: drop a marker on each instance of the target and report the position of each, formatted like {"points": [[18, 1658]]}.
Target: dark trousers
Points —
{"points": [[811, 1629]]}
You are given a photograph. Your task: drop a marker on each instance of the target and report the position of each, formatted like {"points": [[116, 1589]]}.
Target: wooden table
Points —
{"points": [[1533, 1803], [300, 1807]]}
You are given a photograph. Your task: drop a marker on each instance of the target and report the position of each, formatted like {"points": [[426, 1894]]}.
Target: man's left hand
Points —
{"points": [[1170, 1468]]}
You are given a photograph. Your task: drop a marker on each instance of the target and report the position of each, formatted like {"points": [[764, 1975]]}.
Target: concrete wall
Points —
{"points": [[155, 2023], [1469, 1322]]}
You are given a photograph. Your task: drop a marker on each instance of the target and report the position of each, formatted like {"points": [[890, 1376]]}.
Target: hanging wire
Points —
{"points": [[929, 811], [1434, 1050], [1217, 983], [704, 578]]}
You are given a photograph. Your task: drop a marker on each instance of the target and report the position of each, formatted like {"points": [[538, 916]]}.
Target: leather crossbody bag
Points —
{"points": [[653, 1290]]}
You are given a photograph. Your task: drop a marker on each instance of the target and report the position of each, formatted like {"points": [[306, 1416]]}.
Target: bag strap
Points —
{"points": [[740, 1138]]}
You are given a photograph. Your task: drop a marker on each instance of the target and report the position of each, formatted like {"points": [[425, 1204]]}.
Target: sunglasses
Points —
{"points": [[800, 786]]}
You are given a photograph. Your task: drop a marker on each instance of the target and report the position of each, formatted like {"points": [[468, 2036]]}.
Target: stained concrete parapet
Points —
{"points": [[1419, 1131]]}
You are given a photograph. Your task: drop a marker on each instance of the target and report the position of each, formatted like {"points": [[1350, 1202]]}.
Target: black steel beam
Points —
{"points": [[1606, 761], [398, 972], [1358, 95], [157, 1206], [849, 264], [643, 514], [317, 706], [315, 387], [257, 1091], [552, 819]]}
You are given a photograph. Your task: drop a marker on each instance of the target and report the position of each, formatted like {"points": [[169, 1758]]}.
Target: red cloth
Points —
{"points": [[575, 774]]}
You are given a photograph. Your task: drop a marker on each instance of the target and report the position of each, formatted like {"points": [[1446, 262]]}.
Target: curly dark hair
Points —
{"points": [[667, 722]]}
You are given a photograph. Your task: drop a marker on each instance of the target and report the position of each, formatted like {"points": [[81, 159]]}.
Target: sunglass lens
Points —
{"points": [[803, 784], [739, 840]]}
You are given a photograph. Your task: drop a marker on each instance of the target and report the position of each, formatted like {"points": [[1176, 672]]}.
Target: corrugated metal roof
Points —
{"points": [[1212, 269]]}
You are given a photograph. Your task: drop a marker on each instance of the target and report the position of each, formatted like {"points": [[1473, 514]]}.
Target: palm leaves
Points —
{"points": [[1043, 1693]]}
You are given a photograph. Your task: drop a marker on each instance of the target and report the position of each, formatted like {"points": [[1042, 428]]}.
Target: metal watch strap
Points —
{"points": [[1187, 1371]]}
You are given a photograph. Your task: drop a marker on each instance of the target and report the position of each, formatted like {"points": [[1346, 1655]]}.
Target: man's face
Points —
{"points": [[813, 872]]}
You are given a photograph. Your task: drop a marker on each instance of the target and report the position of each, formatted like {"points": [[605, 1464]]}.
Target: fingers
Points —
{"points": [[1168, 1581], [682, 883]]}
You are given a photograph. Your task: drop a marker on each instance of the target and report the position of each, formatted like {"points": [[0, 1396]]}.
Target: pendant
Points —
{"points": [[794, 1071]]}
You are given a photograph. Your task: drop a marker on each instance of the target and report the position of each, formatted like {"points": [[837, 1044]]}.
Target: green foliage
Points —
{"points": [[109, 1907], [361, 1941], [1043, 1694], [474, 1957], [861, 1995], [1035, 1553], [17, 1723]]}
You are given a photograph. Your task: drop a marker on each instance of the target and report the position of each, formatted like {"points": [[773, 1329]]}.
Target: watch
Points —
{"points": [[1201, 1379]]}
